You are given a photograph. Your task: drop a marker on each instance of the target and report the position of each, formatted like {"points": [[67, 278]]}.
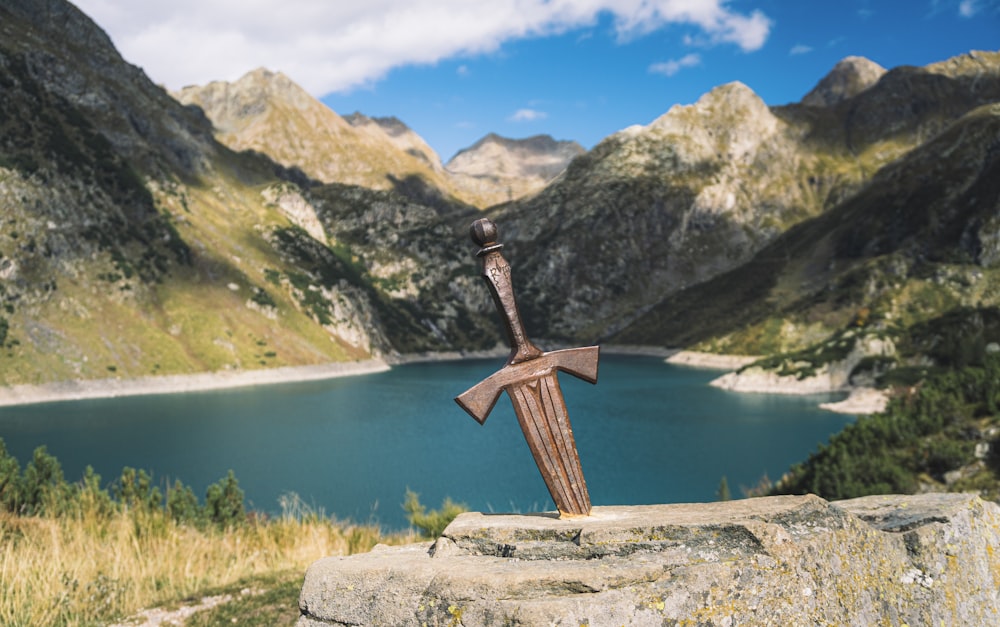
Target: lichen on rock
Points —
{"points": [[792, 560]]}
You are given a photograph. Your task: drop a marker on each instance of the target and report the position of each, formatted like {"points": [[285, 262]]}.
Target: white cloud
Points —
{"points": [[527, 115], [968, 8], [800, 49], [463, 70], [673, 66], [336, 46]]}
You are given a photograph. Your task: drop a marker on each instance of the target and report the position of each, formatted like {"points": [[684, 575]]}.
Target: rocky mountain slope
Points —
{"points": [[401, 135], [497, 169], [132, 243], [849, 77], [267, 112], [654, 210], [919, 241]]}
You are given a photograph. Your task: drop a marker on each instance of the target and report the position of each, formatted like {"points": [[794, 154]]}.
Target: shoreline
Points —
{"points": [[83, 389], [859, 401], [710, 361]]}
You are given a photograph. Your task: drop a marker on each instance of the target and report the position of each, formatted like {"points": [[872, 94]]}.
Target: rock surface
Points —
{"points": [[849, 77], [791, 560], [497, 169]]}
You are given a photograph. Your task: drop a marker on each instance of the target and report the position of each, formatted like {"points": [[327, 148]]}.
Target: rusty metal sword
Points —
{"points": [[529, 378]]}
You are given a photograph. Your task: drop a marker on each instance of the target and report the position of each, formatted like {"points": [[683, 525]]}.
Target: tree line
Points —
{"points": [[930, 429], [41, 489]]}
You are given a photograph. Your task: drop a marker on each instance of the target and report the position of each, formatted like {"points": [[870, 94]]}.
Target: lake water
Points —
{"points": [[648, 432]]}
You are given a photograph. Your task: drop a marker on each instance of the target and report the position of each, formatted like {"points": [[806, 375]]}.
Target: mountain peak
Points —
{"points": [[390, 125], [535, 156], [536, 144], [851, 76]]}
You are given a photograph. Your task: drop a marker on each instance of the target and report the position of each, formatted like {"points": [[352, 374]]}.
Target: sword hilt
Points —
{"points": [[496, 271]]}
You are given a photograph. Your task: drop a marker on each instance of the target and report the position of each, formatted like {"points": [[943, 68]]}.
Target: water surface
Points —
{"points": [[648, 432]]}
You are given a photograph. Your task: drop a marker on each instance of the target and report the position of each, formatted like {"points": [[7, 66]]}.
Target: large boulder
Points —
{"points": [[789, 560]]}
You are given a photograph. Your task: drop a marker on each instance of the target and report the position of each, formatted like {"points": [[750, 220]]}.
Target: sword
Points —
{"points": [[529, 378]]}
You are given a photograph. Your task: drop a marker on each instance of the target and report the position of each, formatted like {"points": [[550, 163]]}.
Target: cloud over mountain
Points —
{"points": [[332, 47]]}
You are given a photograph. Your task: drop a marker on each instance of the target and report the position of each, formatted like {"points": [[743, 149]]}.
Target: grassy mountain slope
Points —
{"points": [[132, 243]]}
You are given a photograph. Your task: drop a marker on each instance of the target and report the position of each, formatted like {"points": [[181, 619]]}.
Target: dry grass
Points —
{"points": [[91, 569]]}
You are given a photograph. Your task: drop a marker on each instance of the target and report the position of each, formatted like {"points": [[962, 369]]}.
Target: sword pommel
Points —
{"points": [[484, 233]]}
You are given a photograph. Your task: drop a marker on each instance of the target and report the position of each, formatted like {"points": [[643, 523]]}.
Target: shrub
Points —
{"points": [[182, 504], [135, 490], [43, 488], [224, 502], [431, 524], [10, 480]]}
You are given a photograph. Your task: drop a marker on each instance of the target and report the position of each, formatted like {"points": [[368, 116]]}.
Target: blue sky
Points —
{"points": [[455, 70]]}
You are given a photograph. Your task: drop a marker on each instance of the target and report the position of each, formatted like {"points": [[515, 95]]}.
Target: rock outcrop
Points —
{"points": [[795, 560], [832, 376]]}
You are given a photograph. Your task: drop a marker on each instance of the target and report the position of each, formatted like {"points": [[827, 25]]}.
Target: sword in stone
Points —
{"points": [[529, 378]]}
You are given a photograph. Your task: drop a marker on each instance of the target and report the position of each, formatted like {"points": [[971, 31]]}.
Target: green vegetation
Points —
{"points": [[722, 493], [431, 524], [804, 363], [82, 554], [928, 436], [42, 490]]}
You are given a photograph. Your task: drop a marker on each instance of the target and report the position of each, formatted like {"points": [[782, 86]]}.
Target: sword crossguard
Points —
{"points": [[479, 400]]}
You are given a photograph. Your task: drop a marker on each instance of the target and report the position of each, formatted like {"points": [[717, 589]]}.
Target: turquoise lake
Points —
{"points": [[648, 432]]}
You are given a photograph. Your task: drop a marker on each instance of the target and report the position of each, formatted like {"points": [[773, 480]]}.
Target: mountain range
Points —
{"points": [[266, 112], [246, 225]]}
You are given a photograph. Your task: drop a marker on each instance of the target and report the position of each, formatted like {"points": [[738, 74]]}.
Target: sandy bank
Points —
{"points": [[710, 360], [172, 384], [861, 400]]}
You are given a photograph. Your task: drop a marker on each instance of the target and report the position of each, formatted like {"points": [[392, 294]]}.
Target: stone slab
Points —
{"points": [[894, 560]]}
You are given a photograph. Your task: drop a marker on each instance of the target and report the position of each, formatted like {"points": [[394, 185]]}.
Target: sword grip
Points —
{"points": [[496, 272]]}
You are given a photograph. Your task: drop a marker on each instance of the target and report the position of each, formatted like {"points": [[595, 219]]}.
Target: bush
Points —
{"points": [[44, 490], [10, 480], [182, 504], [135, 490], [224, 502], [431, 524]]}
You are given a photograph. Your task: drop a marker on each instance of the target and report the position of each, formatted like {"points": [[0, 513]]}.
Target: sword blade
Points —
{"points": [[542, 415]]}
